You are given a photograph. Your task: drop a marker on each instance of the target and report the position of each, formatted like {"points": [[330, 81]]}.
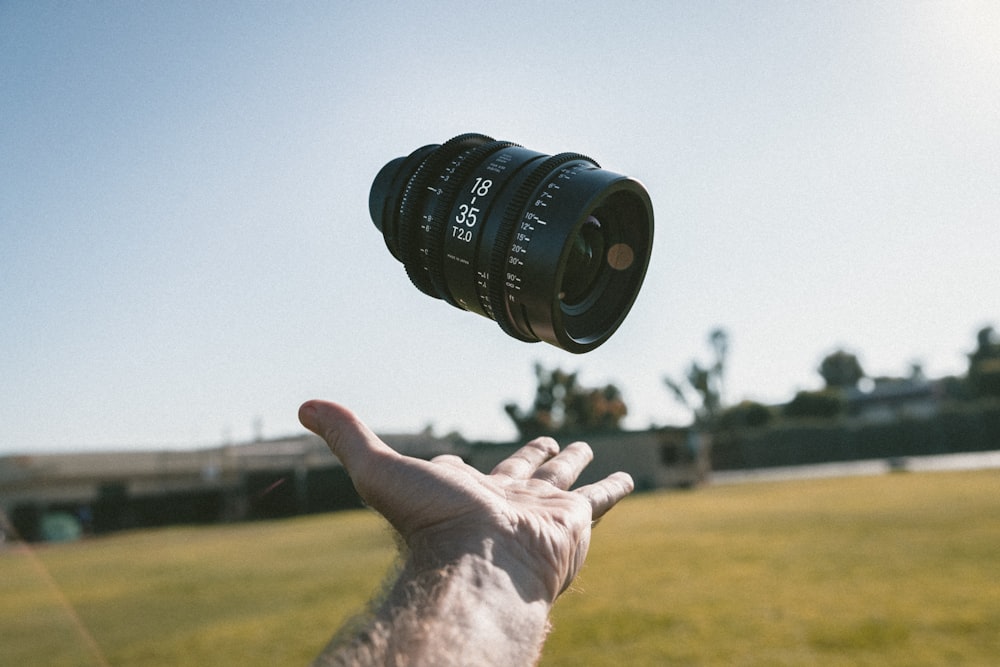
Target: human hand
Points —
{"points": [[521, 517]]}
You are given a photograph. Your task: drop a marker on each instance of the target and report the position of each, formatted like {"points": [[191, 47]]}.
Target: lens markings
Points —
{"points": [[502, 231]]}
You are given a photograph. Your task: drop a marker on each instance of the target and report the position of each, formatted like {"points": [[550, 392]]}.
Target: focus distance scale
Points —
{"points": [[551, 247]]}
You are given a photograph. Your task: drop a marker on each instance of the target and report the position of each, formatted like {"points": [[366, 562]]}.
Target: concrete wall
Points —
{"points": [[661, 458]]}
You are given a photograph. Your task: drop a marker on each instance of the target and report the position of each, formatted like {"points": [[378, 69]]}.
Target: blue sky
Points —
{"points": [[187, 255]]}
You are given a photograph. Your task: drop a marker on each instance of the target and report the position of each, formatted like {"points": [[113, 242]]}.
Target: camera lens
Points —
{"points": [[551, 247]]}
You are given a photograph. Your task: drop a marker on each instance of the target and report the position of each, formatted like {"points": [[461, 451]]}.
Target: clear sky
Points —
{"points": [[186, 253]]}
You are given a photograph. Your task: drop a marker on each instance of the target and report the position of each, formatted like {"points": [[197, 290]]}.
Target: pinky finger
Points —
{"points": [[605, 494]]}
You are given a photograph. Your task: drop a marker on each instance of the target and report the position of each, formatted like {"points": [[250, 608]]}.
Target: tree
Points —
{"points": [[562, 405], [984, 364], [841, 370], [701, 391]]}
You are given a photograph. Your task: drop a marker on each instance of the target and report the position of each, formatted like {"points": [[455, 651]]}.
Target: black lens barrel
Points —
{"points": [[511, 234]]}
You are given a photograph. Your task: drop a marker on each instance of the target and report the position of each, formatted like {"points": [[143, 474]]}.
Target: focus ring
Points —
{"points": [[505, 236]]}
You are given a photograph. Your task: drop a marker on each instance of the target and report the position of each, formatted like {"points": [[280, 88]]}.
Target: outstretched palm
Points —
{"points": [[522, 513]]}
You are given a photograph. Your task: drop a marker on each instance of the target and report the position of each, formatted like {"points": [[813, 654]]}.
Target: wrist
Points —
{"points": [[496, 560], [471, 607]]}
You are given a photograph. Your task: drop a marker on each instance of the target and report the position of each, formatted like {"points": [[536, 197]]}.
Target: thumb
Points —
{"points": [[346, 435]]}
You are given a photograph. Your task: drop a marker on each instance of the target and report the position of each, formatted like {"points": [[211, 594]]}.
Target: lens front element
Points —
{"points": [[585, 264]]}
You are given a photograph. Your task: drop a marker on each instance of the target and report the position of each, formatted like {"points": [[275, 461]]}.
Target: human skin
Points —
{"points": [[485, 556]]}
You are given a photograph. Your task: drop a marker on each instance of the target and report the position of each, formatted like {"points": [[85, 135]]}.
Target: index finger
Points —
{"points": [[523, 463]]}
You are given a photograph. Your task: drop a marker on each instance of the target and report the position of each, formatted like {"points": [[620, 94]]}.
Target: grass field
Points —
{"points": [[901, 569]]}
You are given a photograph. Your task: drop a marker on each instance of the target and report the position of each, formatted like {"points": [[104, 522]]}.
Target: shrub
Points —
{"points": [[815, 404]]}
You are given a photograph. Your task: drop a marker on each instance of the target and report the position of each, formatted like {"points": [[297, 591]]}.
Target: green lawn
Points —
{"points": [[901, 569]]}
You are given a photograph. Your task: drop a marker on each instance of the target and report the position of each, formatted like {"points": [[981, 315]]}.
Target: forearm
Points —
{"points": [[469, 612]]}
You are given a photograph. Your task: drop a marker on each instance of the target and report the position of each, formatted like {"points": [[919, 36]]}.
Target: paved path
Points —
{"points": [[969, 461]]}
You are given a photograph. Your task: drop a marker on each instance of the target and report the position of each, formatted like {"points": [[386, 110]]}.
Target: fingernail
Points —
{"points": [[307, 415]]}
